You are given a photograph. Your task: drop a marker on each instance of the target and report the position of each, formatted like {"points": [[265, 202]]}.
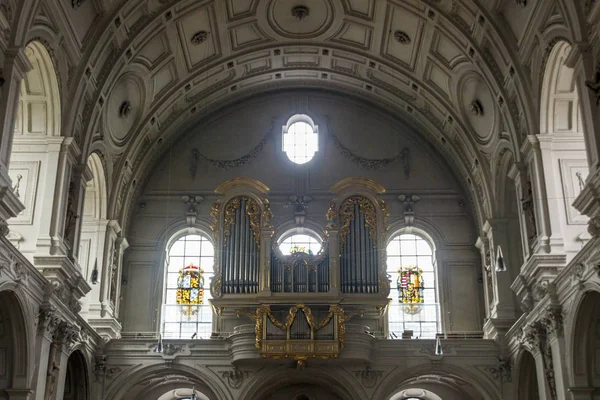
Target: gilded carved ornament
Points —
{"points": [[347, 216], [267, 214], [264, 311], [214, 214]]}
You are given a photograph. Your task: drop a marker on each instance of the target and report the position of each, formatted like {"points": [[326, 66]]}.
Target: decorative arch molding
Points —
{"points": [[504, 161], [267, 381], [552, 38], [558, 87], [482, 386], [39, 95], [127, 385]]}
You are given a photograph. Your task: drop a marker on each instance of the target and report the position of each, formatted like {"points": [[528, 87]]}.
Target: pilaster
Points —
{"points": [[545, 225], [503, 305], [265, 254], [104, 315], [334, 268], [48, 321]]}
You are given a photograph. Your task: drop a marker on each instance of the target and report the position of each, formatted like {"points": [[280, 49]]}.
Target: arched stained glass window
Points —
{"points": [[300, 139], [414, 307], [186, 311]]}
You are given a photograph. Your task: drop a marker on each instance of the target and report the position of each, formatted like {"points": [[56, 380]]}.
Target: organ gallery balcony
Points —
{"points": [[300, 333]]}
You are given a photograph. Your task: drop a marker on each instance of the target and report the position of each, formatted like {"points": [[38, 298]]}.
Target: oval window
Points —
{"points": [[300, 142]]}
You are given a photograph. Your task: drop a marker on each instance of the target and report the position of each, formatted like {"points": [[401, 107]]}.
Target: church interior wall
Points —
{"points": [[116, 119]]}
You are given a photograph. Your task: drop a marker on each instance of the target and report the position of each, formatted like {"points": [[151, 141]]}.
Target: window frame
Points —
{"points": [[300, 231], [285, 131], [420, 235], [207, 281]]}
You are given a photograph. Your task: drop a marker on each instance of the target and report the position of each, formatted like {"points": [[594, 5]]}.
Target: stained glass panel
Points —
{"points": [[411, 266], [185, 311]]}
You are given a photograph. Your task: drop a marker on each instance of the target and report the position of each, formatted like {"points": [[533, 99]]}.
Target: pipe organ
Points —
{"points": [[241, 246], [299, 273], [359, 265], [297, 296]]}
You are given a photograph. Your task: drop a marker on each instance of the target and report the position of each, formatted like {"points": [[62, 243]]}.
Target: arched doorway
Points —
{"points": [[527, 385], [76, 381], [13, 345], [586, 343]]}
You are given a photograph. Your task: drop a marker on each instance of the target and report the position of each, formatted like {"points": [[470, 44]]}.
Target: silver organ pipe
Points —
{"points": [[358, 256], [240, 255], [299, 275]]}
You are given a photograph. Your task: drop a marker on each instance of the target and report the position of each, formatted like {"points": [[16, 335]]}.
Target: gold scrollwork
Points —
{"points": [[214, 213], [229, 218], [267, 214], [347, 215], [252, 212]]}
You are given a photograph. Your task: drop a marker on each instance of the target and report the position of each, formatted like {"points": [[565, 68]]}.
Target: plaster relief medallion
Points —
{"points": [[302, 19], [478, 107], [123, 108], [402, 37]]}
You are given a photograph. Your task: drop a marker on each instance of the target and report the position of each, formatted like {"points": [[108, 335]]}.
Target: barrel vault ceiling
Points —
{"points": [[135, 74]]}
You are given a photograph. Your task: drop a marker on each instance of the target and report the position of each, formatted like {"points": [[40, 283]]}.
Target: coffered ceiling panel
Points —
{"points": [[447, 50], [154, 51], [360, 8], [163, 78], [246, 34], [354, 34], [438, 77], [198, 36], [404, 31], [238, 9]]}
